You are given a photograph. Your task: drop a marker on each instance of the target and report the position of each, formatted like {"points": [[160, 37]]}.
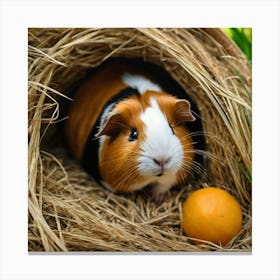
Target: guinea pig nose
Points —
{"points": [[161, 161]]}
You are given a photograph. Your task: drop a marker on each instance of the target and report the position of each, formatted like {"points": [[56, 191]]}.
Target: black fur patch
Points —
{"points": [[90, 155], [168, 84]]}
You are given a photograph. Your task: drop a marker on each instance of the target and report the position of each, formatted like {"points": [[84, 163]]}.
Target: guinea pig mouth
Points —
{"points": [[159, 174]]}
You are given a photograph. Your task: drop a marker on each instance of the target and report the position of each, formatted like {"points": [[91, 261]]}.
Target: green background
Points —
{"points": [[243, 38]]}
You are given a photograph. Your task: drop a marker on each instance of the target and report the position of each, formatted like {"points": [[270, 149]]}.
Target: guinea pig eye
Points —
{"points": [[133, 135], [171, 129]]}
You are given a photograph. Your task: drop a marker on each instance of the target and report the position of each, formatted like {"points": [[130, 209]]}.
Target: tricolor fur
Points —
{"points": [[163, 152], [124, 121]]}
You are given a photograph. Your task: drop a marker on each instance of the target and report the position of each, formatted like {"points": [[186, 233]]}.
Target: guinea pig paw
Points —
{"points": [[157, 195]]}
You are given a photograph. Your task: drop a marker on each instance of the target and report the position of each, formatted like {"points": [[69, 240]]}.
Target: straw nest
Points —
{"points": [[68, 211]]}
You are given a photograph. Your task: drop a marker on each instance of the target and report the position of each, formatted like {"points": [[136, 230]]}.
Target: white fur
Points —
{"points": [[160, 143], [140, 83]]}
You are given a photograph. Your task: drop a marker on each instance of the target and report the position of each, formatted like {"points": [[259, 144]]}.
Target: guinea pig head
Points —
{"points": [[143, 140]]}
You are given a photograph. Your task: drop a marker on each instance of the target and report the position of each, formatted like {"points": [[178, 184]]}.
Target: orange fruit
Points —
{"points": [[211, 214]]}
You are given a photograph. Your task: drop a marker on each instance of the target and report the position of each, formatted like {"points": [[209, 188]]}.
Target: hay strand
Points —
{"points": [[68, 211]]}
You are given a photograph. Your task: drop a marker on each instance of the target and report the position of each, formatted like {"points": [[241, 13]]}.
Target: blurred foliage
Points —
{"points": [[243, 38]]}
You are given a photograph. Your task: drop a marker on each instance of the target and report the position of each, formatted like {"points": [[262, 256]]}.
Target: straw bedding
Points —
{"points": [[68, 211]]}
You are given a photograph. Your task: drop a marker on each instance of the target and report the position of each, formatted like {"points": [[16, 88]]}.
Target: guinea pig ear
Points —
{"points": [[182, 112], [111, 124]]}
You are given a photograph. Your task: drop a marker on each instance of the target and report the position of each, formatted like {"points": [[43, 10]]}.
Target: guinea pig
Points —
{"points": [[129, 128]]}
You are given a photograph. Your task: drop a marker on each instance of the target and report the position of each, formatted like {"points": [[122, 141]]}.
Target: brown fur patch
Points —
{"points": [[119, 157]]}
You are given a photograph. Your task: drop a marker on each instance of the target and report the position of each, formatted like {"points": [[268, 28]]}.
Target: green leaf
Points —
{"points": [[243, 38]]}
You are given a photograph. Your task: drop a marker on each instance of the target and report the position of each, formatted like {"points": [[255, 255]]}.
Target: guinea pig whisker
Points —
{"points": [[190, 135], [192, 163], [207, 154], [210, 135], [197, 168], [196, 133], [118, 170], [131, 174], [184, 171], [194, 167]]}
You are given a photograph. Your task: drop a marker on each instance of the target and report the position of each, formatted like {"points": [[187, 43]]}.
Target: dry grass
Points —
{"points": [[68, 211]]}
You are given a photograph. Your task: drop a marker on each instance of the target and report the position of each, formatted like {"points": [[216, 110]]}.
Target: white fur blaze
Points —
{"points": [[160, 144], [140, 83]]}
